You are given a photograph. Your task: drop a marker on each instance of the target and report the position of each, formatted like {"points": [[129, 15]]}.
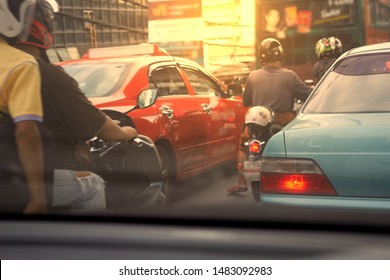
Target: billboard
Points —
{"points": [[177, 26]]}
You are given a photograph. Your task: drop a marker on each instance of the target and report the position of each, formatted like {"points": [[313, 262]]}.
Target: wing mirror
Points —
{"points": [[147, 98]]}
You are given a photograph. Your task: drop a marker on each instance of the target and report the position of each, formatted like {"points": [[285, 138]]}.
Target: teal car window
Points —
{"points": [[355, 85]]}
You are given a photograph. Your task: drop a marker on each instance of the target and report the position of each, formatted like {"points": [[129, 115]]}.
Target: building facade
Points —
{"points": [[224, 38], [83, 24]]}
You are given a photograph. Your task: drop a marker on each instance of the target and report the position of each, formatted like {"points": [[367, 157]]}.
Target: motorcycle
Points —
{"points": [[261, 124], [258, 129], [132, 170]]}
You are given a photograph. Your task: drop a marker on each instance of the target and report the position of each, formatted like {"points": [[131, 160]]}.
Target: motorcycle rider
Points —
{"points": [[327, 50], [72, 119], [258, 123], [272, 87], [20, 116]]}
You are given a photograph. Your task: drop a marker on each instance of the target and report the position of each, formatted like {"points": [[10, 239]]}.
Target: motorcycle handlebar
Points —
{"points": [[143, 140], [100, 146]]}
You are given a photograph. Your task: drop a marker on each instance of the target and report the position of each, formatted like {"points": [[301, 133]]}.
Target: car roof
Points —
{"points": [[125, 54], [369, 49], [131, 59], [142, 54], [140, 60]]}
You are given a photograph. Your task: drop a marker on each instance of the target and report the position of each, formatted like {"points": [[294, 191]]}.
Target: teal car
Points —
{"points": [[336, 153]]}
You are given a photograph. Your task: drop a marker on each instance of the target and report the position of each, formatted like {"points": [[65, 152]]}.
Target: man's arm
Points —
{"points": [[25, 107], [302, 90], [247, 95], [84, 121], [29, 144], [113, 132]]}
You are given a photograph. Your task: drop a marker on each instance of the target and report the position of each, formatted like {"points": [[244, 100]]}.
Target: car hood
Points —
{"points": [[353, 150]]}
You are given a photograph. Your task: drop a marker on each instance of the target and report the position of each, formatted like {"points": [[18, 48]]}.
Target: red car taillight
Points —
{"points": [[255, 147], [293, 176]]}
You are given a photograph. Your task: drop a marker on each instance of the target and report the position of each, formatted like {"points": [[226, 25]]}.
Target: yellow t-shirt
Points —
{"points": [[20, 84]]}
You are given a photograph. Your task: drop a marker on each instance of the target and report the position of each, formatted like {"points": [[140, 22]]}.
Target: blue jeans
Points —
{"points": [[84, 192]]}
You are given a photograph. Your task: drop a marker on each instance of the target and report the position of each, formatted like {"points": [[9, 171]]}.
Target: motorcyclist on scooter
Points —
{"points": [[327, 50], [258, 122], [22, 180], [72, 119], [273, 87]]}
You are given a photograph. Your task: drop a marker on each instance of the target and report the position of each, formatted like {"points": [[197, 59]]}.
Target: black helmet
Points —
{"points": [[271, 50], [40, 34], [15, 17]]}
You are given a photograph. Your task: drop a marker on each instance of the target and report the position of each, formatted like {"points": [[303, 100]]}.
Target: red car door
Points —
{"points": [[224, 116], [182, 122]]}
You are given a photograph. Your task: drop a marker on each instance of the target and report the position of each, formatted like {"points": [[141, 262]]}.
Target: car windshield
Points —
{"points": [[233, 116], [98, 80], [355, 85]]}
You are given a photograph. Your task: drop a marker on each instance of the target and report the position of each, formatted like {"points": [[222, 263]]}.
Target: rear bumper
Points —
{"points": [[356, 203]]}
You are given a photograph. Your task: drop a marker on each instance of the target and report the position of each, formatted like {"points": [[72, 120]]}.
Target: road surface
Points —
{"points": [[210, 189]]}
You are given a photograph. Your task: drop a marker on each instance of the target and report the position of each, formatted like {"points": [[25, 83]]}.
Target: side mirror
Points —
{"points": [[147, 98], [297, 105], [234, 89], [297, 101]]}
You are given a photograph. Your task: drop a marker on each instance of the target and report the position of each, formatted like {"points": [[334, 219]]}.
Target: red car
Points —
{"points": [[194, 123]]}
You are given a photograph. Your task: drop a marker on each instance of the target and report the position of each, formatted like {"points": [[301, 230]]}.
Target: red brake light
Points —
{"points": [[255, 147], [294, 176], [311, 184]]}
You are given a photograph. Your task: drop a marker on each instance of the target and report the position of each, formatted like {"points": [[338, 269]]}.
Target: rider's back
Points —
{"points": [[274, 87], [69, 115]]}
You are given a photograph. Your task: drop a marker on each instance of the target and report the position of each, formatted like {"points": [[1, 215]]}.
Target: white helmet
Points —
{"points": [[258, 115], [16, 17]]}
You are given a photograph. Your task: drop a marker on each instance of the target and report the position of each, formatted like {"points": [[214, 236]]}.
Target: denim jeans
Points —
{"points": [[80, 193]]}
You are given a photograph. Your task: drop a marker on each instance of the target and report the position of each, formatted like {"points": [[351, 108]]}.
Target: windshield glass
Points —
{"points": [[98, 80], [236, 114], [355, 85]]}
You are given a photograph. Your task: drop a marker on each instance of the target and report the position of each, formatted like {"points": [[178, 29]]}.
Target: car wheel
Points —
{"points": [[167, 176], [256, 190]]}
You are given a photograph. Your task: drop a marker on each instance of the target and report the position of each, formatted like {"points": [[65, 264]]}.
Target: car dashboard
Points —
{"points": [[332, 236]]}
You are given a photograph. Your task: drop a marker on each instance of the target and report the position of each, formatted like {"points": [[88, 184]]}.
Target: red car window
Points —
{"points": [[168, 82], [201, 83]]}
